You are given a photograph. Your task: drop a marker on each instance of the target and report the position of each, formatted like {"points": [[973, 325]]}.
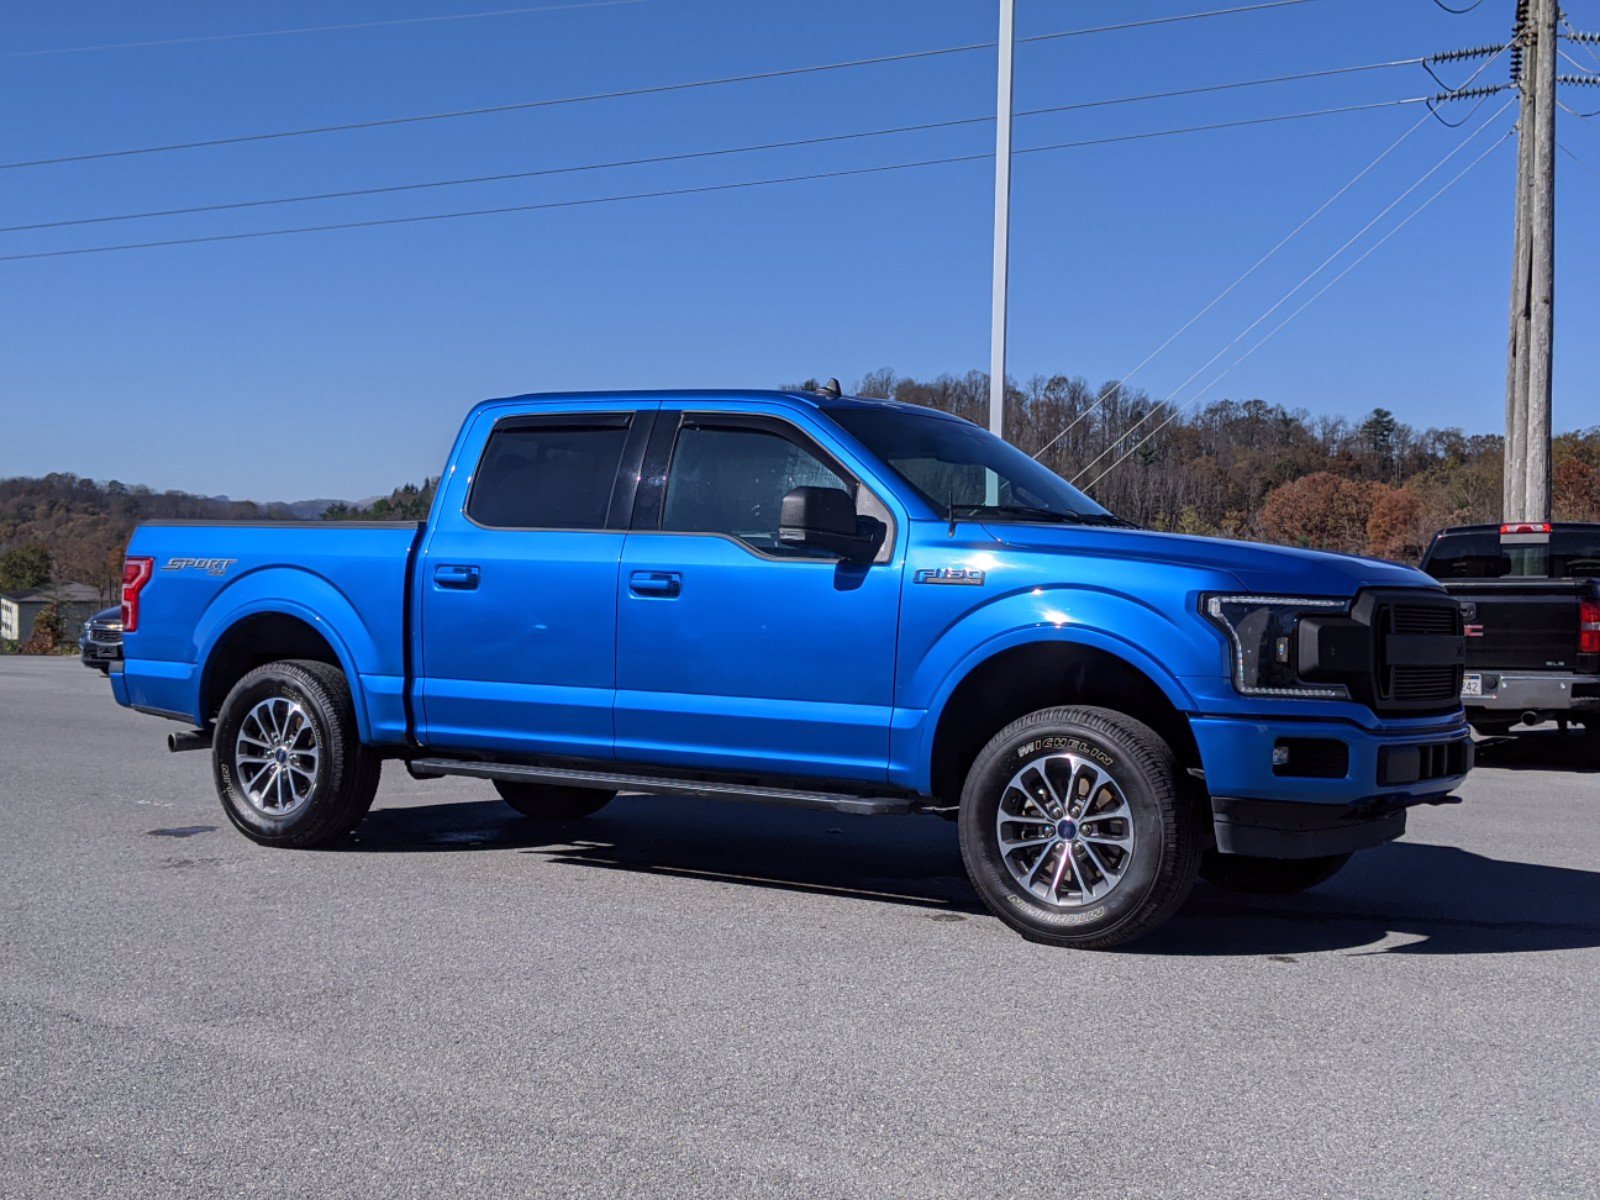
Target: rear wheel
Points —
{"points": [[289, 764], [1268, 876], [1075, 829], [544, 802]]}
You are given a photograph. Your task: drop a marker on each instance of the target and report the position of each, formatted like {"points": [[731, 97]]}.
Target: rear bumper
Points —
{"points": [[1543, 691]]}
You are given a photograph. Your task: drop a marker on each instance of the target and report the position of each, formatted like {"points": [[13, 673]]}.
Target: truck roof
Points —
{"points": [[1555, 527], [794, 396]]}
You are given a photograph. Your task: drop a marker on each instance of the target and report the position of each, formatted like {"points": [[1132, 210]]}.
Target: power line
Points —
{"points": [[1292, 292], [1318, 295], [262, 33], [1582, 39], [1122, 381], [696, 154], [1563, 148], [721, 187], [653, 90]]}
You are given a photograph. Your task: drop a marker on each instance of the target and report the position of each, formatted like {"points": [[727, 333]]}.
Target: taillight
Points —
{"points": [[1526, 527], [1589, 627], [136, 573]]}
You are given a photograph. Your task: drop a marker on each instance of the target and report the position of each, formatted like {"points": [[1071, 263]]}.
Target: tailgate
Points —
{"points": [[1521, 625]]}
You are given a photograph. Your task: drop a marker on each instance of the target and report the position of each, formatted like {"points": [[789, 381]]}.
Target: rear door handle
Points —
{"points": [[455, 575], [667, 584]]}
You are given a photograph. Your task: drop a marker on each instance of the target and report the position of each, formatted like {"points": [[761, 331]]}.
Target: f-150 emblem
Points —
{"points": [[211, 566], [964, 576]]}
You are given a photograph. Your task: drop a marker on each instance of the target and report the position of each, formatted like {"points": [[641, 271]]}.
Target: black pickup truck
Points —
{"points": [[1530, 598]]}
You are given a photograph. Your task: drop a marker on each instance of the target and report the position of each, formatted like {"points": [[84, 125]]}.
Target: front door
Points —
{"points": [[519, 587], [734, 650]]}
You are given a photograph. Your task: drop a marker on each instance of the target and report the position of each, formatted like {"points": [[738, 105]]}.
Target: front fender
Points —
{"points": [[1157, 643], [293, 592]]}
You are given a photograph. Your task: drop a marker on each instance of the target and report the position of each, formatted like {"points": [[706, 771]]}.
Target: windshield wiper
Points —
{"points": [[1024, 511]]}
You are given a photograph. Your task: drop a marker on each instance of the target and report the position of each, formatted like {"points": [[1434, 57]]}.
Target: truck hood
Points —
{"points": [[1267, 569]]}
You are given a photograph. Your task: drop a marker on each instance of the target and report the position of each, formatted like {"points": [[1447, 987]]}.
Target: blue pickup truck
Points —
{"points": [[811, 599]]}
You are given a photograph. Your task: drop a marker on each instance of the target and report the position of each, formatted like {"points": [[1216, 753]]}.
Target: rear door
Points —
{"points": [[733, 650], [519, 583]]}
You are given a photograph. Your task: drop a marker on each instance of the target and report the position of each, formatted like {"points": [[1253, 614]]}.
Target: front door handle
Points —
{"points": [[666, 584], [456, 575]]}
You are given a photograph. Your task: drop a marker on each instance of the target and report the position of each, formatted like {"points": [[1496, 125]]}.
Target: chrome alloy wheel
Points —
{"points": [[277, 757], [1065, 830]]}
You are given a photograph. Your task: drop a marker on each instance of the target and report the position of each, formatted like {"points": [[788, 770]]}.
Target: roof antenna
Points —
{"points": [[830, 389]]}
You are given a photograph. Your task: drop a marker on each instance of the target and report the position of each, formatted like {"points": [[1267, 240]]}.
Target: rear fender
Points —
{"points": [[315, 601]]}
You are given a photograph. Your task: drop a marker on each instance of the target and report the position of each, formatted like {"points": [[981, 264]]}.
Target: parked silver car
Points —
{"points": [[100, 643]]}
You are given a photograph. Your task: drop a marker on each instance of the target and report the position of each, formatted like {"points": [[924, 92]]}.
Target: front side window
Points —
{"points": [[733, 480], [548, 476]]}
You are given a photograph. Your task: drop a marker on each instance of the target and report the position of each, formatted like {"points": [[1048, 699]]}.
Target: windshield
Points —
{"points": [[967, 471]]}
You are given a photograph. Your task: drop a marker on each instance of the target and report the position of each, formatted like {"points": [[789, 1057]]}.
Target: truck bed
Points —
{"points": [[346, 580]]}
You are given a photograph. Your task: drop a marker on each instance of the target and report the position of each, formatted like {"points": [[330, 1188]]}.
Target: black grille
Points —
{"points": [[1411, 684], [1434, 618], [1424, 683], [1398, 650], [1418, 764]]}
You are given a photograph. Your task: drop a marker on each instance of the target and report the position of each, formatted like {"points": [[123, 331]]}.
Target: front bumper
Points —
{"points": [[1356, 800], [99, 655], [1537, 691]]}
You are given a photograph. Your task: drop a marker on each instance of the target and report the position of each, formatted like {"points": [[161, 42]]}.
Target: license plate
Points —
{"points": [[1472, 685]]}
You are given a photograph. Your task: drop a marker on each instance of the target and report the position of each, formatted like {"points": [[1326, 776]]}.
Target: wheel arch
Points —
{"points": [[1013, 676], [267, 628]]}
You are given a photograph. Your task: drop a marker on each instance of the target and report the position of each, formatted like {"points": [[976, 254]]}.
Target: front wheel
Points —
{"points": [[289, 764], [1268, 876], [1075, 828]]}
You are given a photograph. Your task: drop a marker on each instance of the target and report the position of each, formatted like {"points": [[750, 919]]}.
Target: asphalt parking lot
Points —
{"points": [[697, 998]]}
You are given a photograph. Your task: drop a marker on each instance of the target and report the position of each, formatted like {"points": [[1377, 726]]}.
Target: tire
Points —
{"points": [[543, 802], [1268, 876], [322, 782], [1125, 891]]}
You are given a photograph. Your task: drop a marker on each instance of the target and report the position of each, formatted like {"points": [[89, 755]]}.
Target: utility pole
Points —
{"points": [[1541, 298], [1526, 484], [1514, 471], [1002, 228]]}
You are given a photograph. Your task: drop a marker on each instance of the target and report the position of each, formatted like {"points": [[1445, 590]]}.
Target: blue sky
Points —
{"points": [[338, 364]]}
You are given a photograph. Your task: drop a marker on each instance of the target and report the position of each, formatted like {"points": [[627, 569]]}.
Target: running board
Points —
{"points": [[862, 806]]}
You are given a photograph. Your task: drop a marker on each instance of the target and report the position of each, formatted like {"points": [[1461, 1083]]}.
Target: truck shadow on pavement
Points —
{"points": [[1539, 750], [1403, 898]]}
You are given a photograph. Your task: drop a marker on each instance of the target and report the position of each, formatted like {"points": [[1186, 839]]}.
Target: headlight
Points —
{"points": [[1261, 632]]}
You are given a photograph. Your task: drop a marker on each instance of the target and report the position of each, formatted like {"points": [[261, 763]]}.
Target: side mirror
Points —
{"points": [[824, 519]]}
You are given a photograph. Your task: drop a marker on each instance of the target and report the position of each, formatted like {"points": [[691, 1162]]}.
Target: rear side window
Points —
{"points": [[548, 476], [731, 480]]}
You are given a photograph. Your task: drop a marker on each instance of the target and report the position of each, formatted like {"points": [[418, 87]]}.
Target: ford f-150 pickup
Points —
{"points": [[800, 598]]}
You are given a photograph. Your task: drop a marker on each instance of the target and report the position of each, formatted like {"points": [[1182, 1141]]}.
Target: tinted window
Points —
{"points": [[1481, 555], [727, 480], [548, 476]]}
